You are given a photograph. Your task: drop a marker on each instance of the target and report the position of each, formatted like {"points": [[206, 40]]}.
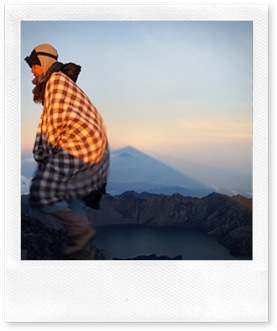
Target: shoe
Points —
{"points": [[80, 242]]}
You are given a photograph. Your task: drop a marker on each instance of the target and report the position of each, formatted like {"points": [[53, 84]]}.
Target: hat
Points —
{"points": [[44, 55]]}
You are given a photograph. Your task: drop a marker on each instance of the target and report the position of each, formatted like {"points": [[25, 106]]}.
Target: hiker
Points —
{"points": [[71, 150]]}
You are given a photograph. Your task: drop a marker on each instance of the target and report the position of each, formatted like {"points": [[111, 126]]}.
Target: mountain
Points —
{"points": [[227, 218], [132, 169]]}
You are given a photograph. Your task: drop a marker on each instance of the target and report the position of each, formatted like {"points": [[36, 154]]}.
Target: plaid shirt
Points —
{"points": [[71, 145]]}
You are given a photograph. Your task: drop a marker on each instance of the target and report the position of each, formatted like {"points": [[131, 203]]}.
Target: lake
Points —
{"points": [[129, 241]]}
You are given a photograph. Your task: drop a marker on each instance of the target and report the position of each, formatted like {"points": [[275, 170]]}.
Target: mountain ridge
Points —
{"points": [[224, 217]]}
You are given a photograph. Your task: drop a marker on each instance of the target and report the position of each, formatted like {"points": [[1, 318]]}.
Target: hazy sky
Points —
{"points": [[177, 90]]}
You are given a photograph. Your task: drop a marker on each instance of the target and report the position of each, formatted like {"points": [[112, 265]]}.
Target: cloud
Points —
{"points": [[215, 187], [232, 191], [25, 185], [29, 160]]}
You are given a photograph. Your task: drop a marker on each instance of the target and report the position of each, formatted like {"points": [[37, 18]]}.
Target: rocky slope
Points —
{"points": [[43, 241], [227, 218]]}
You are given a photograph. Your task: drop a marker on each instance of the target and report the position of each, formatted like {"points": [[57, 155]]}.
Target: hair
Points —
{"points": [[39, 89], [72, 70]]}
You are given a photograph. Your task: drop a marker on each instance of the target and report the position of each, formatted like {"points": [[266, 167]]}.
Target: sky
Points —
{"points": [[180, 91]]}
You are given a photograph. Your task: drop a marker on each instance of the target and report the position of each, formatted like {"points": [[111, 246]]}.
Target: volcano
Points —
{"points": [[134, 170]]}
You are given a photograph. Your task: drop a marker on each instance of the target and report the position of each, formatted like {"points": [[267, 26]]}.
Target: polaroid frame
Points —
{"points": [[136, 291]]}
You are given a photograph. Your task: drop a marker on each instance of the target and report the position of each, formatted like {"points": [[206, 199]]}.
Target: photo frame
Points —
{"points": [[136, 291]]}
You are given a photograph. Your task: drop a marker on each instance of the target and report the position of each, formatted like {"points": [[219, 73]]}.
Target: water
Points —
{"points": [[129, 241]]}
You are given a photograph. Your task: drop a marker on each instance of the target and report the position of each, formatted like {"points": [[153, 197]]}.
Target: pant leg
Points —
{"points": [[74, 222], [72, 216], [78, 205]]}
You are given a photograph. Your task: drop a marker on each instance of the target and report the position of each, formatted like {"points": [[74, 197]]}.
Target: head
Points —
{"points": [[41, 58]]}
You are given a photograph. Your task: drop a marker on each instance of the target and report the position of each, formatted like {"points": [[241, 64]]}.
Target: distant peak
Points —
{"points": [[128, 148], [127, 151]]}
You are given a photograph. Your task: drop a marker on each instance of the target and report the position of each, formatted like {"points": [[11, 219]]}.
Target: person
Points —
{"points": [[71, 150]]}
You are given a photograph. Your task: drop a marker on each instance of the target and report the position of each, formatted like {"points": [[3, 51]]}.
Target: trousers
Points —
{"points": [[72, 215]]}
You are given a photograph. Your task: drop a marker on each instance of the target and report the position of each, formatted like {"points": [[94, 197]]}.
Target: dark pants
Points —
{"points": [[72, 215]]}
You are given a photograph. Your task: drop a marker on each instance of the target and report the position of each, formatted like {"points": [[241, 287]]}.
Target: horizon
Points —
{"points": [[137, 168], [180, 92]]}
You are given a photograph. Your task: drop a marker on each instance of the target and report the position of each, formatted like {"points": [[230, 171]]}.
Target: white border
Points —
{"points": [[135, 291]]}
